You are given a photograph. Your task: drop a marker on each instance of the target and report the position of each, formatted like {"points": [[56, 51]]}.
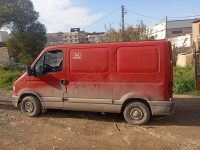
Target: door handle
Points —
{"points": [[64, 82]]}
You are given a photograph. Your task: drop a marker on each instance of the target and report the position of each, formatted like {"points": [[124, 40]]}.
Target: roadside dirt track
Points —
{"points": [[68, 130]]}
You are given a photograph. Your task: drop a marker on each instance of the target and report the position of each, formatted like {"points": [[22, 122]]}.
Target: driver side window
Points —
{"points": [[39, 66], [50, 62]]}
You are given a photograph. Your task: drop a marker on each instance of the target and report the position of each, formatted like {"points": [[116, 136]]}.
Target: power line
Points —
{"points": [[144, 15], [168, 17], [160, 18], [158, 23], [102, 18]]}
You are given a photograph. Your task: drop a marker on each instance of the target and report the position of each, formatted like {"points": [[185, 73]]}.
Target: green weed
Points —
{"points": [[184, 80], [7, 78]]}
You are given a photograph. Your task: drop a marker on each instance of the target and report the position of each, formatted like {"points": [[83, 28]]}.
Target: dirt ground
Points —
{"points": [[68, 130]]}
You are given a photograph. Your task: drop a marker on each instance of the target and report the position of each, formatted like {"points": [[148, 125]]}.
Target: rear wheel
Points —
{"points": [[31, 106], [136, 113]]}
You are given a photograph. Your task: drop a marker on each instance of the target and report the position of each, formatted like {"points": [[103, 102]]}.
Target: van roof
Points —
{"points": [[108, 43]]}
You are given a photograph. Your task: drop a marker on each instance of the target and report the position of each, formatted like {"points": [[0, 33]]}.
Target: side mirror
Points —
{"points": [[28, 70]]}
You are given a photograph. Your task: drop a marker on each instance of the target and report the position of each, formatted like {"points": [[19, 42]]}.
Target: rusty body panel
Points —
{"points": [[103, 77]]}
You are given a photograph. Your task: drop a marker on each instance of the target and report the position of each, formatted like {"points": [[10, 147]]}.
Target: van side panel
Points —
{"points": [[140, 71], [119, 70], [91, 60], [89, 75], [138, 60], [90, 89], [89, 64]]}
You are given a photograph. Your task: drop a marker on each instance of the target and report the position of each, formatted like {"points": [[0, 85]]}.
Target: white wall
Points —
{"points": [[3, 36], [158, 31], [181, 41]]}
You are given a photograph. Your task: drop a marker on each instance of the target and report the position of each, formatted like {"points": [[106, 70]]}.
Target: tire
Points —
{"points": [[136, 113], [31, 106]]}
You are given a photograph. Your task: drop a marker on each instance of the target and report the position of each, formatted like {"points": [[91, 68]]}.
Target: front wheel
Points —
{"points": [[31, 106], [136, 113]]}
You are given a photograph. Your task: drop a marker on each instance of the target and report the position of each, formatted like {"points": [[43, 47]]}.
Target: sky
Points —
{"points": [[96, 15]]}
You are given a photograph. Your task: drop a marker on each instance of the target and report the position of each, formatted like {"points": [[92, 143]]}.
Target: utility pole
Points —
{"points": [[166, 28], [123, 18], [123, 26]]}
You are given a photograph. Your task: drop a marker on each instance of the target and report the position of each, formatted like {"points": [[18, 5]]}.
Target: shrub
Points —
{"points": [[7, 78], [184, 80], [182, 86], [12, 66], [184, 72]]}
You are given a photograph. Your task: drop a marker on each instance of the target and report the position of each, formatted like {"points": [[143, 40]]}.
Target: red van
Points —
{"points": [[133, 78]]}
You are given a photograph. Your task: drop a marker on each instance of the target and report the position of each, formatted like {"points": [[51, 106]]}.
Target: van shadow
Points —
{"points": [[95, 116], [187, 113]]}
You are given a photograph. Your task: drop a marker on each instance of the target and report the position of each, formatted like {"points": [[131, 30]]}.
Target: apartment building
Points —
{"points": [[96, 37], [71, 38], [76, 36], [55, 39], [61, 38]]}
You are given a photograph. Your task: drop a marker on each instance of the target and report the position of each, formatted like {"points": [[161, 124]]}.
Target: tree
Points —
{"points": [[27, 45], [28, 35], [130, 33]]}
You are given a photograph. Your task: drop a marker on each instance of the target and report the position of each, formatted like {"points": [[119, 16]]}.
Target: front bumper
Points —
{"points": [[15, 99], [162, 107]]}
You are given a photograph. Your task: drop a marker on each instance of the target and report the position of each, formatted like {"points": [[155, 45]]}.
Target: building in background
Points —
{"points": [[4, 36], [82, 37], [196, 34], [196, 30], [157, 31], [76, 36], [182, 41], [55, 39], [96, 37], [71, 38], [179, 32], [4, 57], [75, 30], [174, 28], [5, 54]]}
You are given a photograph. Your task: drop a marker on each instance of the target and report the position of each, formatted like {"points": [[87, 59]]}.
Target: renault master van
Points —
{"points": [[133, 78]]}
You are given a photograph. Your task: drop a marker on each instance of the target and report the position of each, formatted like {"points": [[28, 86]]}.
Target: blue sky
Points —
{"points": [[154, 8], [91, 15]]}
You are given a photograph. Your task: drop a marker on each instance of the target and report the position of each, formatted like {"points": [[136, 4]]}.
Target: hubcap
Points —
{"points": [[136, 114], [29, 106]]}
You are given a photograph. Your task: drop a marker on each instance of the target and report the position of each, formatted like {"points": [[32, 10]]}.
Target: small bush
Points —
{"points": [[12, 66], [7, 78], [182, 86], [184, 72], [184, 80]]}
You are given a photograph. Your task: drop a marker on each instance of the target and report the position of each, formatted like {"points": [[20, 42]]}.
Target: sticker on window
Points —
{"points": [[77, 55]]}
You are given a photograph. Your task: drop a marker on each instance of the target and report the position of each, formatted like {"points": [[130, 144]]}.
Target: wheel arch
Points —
{"points": [[136, 99], [29, 93]]}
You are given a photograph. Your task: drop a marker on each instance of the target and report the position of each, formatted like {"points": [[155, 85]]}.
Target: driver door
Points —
{"points": [[46, 82]]}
